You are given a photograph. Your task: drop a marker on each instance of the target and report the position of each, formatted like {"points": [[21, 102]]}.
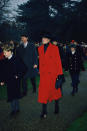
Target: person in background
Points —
{"points": [[66, 51], [37, 44], [74, 64], [79, 48]]}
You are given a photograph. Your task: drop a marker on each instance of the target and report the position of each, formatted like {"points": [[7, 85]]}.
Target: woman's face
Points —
{"points": [[45, 40]]}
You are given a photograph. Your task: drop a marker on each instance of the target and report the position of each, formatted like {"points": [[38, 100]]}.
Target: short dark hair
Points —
{"points": [[24, 35], [8, 47]]}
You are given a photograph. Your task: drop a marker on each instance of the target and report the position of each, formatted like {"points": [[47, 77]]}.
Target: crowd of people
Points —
{"points": [[47, 59]]}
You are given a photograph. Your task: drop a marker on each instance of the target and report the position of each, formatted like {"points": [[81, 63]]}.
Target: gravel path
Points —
{"points": [[29, 120]]}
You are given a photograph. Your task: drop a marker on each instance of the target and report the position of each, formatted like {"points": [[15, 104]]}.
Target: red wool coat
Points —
{"points": [[49, 67]]}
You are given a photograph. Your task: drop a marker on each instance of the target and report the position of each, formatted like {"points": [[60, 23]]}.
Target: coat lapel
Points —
{"points": [[47, 53]]}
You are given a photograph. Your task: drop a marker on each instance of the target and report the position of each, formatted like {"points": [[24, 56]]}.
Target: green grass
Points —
{"points": [[80, 124], [65, 73], [3, 92]]}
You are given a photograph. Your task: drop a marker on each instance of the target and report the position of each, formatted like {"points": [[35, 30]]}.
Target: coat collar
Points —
{"points": [[41, 49]]}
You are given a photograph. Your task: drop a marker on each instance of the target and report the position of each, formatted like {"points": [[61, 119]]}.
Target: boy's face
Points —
{"points": [[72, 49], [45, 40], [7, 54]]}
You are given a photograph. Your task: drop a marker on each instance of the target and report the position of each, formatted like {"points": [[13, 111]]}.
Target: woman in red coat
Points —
{"points": [[50, 68]]}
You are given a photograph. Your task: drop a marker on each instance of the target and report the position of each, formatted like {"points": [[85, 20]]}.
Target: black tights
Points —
{"points": [[44, 107]]}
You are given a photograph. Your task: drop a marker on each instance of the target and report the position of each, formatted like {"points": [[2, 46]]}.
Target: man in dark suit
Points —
{"points": [[28, 54]]}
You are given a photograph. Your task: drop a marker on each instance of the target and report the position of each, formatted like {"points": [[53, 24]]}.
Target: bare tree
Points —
{"points": [[2, 3]]}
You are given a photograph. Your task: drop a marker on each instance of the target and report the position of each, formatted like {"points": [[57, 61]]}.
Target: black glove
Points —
{"points": [[59, 81]]}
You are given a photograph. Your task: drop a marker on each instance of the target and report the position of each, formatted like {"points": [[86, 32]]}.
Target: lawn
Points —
{"points": [[85, 64], [80, 124]]}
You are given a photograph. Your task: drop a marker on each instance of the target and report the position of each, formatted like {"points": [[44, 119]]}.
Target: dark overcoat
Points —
{"points": [[11, 68], [29, 57], [74, 62]]}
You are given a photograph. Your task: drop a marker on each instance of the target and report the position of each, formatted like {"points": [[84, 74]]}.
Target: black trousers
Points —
{"points": [[75, 81], [25, 86], [56, 107]]}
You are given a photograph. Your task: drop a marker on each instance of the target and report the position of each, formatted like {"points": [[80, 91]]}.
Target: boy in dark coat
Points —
{"points": [[74, 64], [12, 71]]}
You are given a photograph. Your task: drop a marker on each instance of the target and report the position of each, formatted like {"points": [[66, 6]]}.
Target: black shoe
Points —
{"points": [[56, 112], [17, 111], [43, 116], [12, 113]]}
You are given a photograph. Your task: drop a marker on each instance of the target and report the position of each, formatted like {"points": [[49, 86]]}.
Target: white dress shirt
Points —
{"points": [[25, 44]]}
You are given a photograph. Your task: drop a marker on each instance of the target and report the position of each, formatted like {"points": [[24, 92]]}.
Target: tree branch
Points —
{"points": [[3, 3]]}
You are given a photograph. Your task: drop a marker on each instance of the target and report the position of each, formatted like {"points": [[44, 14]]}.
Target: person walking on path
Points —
{"points": [[74, 64], [13, 70], [50, 68], [28, 54]]}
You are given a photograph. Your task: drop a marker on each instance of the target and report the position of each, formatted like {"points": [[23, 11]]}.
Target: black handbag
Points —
{"points": [[59, 81]]}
